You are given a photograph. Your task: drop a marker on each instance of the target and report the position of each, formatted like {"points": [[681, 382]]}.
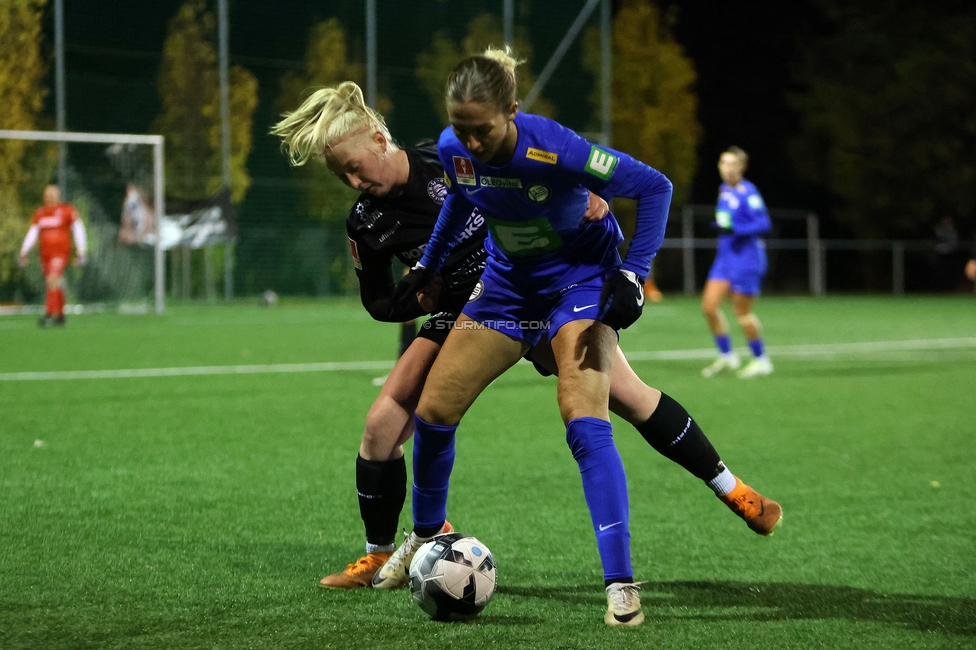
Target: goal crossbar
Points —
{"points": [[159, 196]]}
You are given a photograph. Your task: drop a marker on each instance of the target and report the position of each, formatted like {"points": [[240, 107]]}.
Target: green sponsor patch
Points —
{"points": [[601, 163], [524, 237]]}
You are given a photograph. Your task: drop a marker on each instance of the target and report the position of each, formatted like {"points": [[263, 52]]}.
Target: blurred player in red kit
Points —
{"points": [[54, 225]]}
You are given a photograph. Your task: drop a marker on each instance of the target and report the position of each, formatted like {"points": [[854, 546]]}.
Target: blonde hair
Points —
{"points": [[488, 78], [739, 153], [327, 116]]}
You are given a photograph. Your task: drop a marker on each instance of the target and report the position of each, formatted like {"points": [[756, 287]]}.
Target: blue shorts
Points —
{"points": [[498, 304], [743, 280]]}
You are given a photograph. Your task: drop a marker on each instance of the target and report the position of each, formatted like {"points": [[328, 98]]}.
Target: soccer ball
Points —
{"points": [[452, 577]]}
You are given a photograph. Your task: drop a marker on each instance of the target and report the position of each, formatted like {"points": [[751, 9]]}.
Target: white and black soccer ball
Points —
{"points": [[452, 577]]}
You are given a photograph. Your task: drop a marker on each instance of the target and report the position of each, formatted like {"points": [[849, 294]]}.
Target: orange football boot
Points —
{"points": [[761, 514], [357, 574]]}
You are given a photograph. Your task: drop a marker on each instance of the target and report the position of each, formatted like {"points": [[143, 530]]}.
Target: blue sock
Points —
{"points": [[605, 489], [724, 343], [757, 347], [433, 460]]}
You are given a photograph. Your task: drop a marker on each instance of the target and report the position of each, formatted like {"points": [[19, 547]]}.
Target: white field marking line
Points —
{"points": [[798, 351], [818, 349], [197, 370]]}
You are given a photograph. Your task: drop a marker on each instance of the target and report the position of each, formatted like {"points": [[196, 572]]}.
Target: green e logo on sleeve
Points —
{"points": [[601, 163]]}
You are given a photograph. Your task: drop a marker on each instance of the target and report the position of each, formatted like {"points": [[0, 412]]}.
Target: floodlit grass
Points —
{"points": [[200, 511]]}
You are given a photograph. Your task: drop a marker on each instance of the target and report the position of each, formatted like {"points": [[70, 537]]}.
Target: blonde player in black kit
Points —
{"points": [[402, 190]]}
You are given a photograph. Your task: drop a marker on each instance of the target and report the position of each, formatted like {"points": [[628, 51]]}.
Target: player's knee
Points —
{"points": [[709, 308], [578, 398], [435, 411], [748, 320]]}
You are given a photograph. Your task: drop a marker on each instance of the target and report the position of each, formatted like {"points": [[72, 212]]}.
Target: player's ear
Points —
{"points": [[512, 110], [380, 141]]}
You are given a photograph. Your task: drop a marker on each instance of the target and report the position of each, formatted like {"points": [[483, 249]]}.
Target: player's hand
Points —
{"points": [[82, 259], [596, 208], [22, 261], [405, 298], [430, 294], [970, 269], [623, 297]]}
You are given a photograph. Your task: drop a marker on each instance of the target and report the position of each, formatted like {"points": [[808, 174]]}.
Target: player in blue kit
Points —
{"points": [[549, 274], [739, 267]]}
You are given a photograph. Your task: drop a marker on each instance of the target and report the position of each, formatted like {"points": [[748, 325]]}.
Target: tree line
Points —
{"points": [[884, 107]]}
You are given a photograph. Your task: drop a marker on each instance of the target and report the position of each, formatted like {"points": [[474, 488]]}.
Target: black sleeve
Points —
{"points": [[376, 285]]}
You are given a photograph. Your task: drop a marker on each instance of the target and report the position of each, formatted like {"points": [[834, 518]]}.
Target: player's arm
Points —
{"points": [[375, 273], [30, 240], [81, 239], [610, 173], [451, 219], [754, 220]]}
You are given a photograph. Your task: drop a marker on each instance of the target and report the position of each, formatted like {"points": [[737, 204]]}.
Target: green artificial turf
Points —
{"points": [[201, 511]]}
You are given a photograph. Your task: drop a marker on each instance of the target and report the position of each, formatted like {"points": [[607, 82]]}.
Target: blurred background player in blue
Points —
{"points": [[402, 190], [740, 264]]}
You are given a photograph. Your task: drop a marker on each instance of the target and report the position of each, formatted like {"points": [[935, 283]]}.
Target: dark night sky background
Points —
{"points": [[743, 55]]}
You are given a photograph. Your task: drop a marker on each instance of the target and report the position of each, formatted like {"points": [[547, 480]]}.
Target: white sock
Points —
{"points": [[723, 483], [379, 548]]}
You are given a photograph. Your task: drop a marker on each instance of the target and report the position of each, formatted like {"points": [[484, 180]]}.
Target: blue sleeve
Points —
{"points": [[451, 219], [757, 222], [612, 173]]}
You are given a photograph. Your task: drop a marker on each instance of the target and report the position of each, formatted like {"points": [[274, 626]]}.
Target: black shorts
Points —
{"points": [[438, 326]]}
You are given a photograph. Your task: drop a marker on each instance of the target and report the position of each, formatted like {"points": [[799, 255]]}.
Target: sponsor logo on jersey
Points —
{"points": [[542, 156], [475, 221], [50, 222], [478, 290], [723, 218], [437, 190], [389, 233], [494, 181], [464, 171], [755, 201], [356, 261], [538, 193], [525, 237], [413, 253], [601, 163], [447, 180]]}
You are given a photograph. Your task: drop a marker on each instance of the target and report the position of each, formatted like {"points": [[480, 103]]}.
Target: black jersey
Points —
{"points": [[381, 228]]}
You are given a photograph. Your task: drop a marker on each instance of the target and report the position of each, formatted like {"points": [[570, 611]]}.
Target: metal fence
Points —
{"points": [[861, 265]]}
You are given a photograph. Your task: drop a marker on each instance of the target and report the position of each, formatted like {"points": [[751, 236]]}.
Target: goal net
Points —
{"points": [[116, 182]]}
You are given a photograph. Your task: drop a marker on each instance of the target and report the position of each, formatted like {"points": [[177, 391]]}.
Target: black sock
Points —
{"points": [[675, 435], [382, 488]]}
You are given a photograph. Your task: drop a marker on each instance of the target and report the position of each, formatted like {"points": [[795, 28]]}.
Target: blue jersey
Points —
{"points": [[534, 203], [742, 209]]}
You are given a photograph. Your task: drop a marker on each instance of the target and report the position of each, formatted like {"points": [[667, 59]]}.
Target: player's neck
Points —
{"points": [[401, 163], [507, 149]]}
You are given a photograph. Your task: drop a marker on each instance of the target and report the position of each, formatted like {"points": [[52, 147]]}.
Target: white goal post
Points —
{"points": [[159, 198]]}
